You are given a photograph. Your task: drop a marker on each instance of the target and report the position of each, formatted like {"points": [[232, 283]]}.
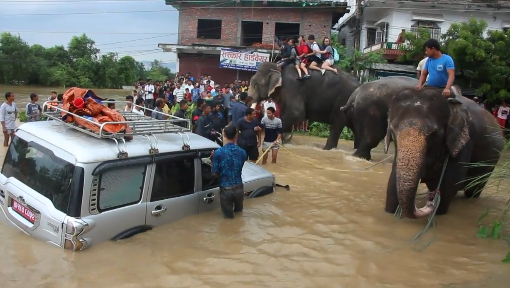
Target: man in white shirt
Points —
{"points": [[269, 103], [420, 67], [211, 82], [189, 85], [149, 94], [179, 93], [8, 115]]}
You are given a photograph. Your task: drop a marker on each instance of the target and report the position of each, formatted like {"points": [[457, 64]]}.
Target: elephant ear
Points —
{"points": [[274, 81], [457, 131]]}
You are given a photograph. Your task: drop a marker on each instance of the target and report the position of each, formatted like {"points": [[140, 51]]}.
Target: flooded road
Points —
{"points": [[329, 230]]}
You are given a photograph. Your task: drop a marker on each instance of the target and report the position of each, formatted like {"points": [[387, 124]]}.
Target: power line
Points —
{"points": [[52, 2]]}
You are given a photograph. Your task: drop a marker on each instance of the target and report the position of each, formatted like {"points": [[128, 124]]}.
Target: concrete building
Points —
{"points": [[383, 21], [239, 35]]}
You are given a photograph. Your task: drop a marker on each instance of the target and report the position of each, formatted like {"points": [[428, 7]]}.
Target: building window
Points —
{"points": [[251, 32], [371, 36], [209, 29], [342, 42], [286, 30], [505, 29], [434, 29]]}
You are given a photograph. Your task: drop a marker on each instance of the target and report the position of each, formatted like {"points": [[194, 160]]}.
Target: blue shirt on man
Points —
{"points": [[228, 162], [437, 68], [238, 111]]}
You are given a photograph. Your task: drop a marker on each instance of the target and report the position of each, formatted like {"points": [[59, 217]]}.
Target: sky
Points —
{"points": [[129, 27]]}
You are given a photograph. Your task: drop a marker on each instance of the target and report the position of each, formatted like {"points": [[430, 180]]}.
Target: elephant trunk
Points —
{"points": [[411, 151]]}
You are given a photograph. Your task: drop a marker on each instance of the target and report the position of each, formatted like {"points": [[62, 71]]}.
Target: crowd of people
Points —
{"points": [[215, 108]]}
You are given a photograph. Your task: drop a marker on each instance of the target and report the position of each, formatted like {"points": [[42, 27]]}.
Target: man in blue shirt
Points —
{"points": [[239, 108], [228, 162], [439, 68]]}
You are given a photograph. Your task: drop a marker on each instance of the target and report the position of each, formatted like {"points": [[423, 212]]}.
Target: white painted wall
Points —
{"points": [[352, 5], [401, 19]]}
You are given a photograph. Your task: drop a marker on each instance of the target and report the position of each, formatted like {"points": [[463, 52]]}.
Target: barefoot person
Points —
{"points": [[228, 162], [273, 133], [8, 116]]}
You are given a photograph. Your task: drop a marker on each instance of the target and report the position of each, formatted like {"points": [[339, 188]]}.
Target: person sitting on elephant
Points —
{"points": [[315, 55], [286, 54], [439, 68], [301, 61], [328, 55]]}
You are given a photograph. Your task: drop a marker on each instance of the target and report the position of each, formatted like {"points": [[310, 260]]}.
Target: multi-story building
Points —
{"points": [[383, 20], [240, 34]]}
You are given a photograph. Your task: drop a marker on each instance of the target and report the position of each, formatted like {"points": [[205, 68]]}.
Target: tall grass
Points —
{"points": [[499, 180]]}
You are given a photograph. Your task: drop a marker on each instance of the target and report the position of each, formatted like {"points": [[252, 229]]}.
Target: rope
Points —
{"points": [[339, 170], [262, 156], [436, 200]]}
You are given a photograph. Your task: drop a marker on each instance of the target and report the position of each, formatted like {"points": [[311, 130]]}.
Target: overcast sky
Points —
{"points": [[115, 25]]}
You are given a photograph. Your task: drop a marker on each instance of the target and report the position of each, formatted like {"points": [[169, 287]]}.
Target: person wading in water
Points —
{"points": [[228, 162]]}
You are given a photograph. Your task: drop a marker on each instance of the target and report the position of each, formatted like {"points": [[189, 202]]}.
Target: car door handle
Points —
{"points": [[158, 210], [209, 198]]}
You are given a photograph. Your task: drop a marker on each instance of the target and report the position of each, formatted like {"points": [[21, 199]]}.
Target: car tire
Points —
{"points": [[262, 191]]}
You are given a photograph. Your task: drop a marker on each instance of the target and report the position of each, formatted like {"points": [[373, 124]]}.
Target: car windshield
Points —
{"points": [[38, 168]]}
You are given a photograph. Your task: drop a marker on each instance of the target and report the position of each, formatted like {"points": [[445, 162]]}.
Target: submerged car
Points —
{"points": [[74, 188]]}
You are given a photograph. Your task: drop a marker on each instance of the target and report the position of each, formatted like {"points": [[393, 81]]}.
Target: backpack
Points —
{"points": [[335, 55]]}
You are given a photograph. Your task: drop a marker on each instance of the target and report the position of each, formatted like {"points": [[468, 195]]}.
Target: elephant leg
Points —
{"points": [[363, 151], [481, 174], [357, 138], [335, 129], [391, 191], [453, 176], [370, 136]]}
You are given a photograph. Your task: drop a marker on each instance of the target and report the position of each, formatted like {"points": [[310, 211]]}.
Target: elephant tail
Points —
{"points": [[350, 102], [346, 107]]}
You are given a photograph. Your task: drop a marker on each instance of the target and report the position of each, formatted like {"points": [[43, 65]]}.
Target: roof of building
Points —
{"points": [[258, 3], [88, 149]]}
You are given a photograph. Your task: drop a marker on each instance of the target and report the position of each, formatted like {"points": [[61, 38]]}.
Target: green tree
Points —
{"points": [[80, 64], [483, 60], [358, 63], [480, 56]]}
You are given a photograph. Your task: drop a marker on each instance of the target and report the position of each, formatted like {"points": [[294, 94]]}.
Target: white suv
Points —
{"points": [[74, 188]]}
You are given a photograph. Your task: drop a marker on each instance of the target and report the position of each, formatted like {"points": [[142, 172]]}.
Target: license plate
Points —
{"points": [[23, 211]]}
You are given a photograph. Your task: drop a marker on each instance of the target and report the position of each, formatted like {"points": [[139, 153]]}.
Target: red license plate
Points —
{"points": [[23, 211]]}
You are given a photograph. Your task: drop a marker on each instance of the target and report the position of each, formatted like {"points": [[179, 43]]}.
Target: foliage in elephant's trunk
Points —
{"points": [[411, 150]]}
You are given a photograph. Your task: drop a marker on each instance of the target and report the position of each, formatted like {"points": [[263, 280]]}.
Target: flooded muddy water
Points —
{"points": [[329, 230]]}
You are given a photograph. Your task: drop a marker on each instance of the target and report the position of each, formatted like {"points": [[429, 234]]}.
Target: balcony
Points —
{"points": [[390, 50]]}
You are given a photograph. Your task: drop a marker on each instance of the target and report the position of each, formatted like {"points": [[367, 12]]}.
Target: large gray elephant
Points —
{"points": [[317, 99], [367, 109], [427, 129]]}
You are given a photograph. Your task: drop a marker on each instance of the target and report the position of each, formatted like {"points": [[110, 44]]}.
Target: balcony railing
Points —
{"points": [[386, 47]]}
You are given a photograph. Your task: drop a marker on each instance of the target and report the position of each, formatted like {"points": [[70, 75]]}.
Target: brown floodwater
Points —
{"points": [[329, 230]]}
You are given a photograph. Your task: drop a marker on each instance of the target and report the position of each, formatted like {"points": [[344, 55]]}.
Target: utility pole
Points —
{"points": [[357, 35], [357, 31]]}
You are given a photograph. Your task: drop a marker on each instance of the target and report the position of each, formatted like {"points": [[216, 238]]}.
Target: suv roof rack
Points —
{"points": [[139, 124]]}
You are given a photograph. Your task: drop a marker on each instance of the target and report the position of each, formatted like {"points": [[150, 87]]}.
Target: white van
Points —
{"points": [[75, 188]]}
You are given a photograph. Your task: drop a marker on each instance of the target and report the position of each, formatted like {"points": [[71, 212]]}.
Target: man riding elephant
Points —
{"points": [[318, 99]]}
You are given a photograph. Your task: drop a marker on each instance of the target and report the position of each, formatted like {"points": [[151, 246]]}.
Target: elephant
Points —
{"points": [[317, 99], [367, 110], [430, 132]]}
